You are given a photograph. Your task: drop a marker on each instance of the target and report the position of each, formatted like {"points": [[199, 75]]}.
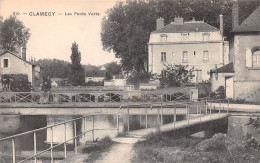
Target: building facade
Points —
{"points": [[194, 43], [246, 51], [11, 63]]}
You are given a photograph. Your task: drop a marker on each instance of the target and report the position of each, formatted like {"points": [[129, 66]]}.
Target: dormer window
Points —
{"points": [[205, 36], [163, 38], [185, 36]]}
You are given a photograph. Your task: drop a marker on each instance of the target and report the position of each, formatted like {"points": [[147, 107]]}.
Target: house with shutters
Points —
{"points": [[11, 63], [242, 78], [193, 43]]}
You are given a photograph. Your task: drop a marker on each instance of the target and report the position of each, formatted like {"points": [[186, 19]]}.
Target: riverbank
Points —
{"points": [[160, 147]]}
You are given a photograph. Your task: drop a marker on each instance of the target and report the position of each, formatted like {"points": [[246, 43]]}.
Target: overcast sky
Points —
{"points": [[52, 36]]}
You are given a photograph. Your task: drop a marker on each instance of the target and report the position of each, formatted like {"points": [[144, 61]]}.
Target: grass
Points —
{"points": [[159, 147], [96, 150]]}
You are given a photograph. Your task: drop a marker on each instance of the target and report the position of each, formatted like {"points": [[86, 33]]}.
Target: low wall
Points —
{"points": [[236, 107]]}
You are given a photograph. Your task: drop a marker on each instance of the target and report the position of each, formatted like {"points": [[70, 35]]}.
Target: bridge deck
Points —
{"points": [[179, 124]]}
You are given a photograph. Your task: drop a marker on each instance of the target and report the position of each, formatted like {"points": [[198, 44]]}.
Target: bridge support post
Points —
{"points": [[84, 130], [161, 114], [13, 149], [93, 128], [128, 120], [146, 117], [228, 107], [75, 137], [117, 123], [206, 106], [174, 116]]}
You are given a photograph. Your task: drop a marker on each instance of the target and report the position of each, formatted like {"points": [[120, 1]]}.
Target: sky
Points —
{"points": [[52, 36]]}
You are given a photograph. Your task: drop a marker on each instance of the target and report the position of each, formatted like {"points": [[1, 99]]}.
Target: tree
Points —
{"points": [[77, 73], [177, 75], [112, 69], [14, 34]]}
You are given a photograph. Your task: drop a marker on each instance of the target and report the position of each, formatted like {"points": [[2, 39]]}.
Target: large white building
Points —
{"points": [[193, 43]]}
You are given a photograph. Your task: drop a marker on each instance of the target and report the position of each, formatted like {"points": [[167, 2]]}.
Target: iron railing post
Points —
{"points": [[51, 144], [200, 111], [174, 116], [210, 109], [13, 149], [188, 112], [219, 108], [75, 137], [35, 147], [117, 123]]}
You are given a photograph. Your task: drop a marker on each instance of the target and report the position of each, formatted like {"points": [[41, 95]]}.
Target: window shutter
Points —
{"points": [[248, 58]]}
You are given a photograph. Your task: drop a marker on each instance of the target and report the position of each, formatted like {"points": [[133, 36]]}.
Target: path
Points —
{"points": [[120, 153]]}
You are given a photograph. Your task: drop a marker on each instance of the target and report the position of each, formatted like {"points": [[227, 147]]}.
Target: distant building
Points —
{"points": [[94, 79], [56, 82], [193, 43], [11, 63]]}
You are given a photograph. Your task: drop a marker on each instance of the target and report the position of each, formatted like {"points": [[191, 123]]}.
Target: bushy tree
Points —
{"points": [[16, 82], [77, 73], [177, 75], [13, 34]]}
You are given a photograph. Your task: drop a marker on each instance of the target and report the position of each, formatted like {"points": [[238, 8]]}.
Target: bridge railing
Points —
{"points": [[52, 143], [81, 97]]}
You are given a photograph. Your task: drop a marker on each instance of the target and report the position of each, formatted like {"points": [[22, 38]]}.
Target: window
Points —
{"points": [[205, 36], [5, 63], [163, 56], [163, 38], [256, 58], [185, 56], [185, 36], [205, 55]]}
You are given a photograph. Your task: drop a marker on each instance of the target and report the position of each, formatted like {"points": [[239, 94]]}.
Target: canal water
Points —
{"points": [[14, 124]]}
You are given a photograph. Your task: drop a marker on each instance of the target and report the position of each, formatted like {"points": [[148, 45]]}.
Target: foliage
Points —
{"points": [[136, 78], [16, 82], [112, 69], [13, 34], [93, 83], [46, 86], [54, 68], [77, 73], [220, 93], [177, 75]]}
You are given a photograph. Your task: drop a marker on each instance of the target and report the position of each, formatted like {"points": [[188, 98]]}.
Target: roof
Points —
{"points": [[7, 51], [228, 68], [192, 26], [250, 24]]}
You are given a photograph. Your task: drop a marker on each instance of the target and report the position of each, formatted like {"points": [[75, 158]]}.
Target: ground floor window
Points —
{"points": [[256, 58]]}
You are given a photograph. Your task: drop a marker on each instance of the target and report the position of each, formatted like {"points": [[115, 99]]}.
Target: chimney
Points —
{"points": [[178, 20], [24, 53], [235, 14], [221, 24], [159, 23]]}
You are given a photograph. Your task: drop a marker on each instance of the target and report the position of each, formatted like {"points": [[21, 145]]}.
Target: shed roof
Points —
{"points": [[228, 68]]}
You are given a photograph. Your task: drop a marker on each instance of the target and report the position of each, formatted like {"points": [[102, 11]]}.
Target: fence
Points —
{"points": [[79, 97]]}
